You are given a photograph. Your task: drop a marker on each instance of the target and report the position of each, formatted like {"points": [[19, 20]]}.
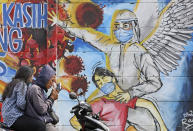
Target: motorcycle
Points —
{"points": [[85, 116]]}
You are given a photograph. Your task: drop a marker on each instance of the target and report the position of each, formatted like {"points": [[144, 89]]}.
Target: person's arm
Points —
{"points": [[95, 38], [151, 77], [21, 89], [38, 102], [93, 95], [153, 110]]}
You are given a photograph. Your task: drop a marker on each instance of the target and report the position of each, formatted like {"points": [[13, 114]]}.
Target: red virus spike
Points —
{"points": [[73, 65], [89, 15], [79, 85]]}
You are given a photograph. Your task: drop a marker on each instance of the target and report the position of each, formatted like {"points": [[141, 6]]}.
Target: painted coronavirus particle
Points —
{"points": [[89, 15], [73, 65], [79, 85]]}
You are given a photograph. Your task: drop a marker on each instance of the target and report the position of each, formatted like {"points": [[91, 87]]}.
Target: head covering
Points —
{"points": [[125, 15], [44, 76]]}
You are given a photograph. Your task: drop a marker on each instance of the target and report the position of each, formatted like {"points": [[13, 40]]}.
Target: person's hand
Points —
{"points": [[123, 97], [54, 94], [54, 19]]}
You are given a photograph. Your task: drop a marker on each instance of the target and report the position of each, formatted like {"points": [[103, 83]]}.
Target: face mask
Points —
{"points": [[49, 91], [123, 35], [108, 88], [54, 85]]}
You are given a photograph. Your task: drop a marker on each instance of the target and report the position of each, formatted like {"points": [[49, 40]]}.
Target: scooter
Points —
{"points": [[85, 116]]}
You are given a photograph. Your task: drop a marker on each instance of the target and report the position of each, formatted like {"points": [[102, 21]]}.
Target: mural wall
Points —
{"points": [[131, 60]]}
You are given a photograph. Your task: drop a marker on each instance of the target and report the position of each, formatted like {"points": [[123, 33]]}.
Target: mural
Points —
{"points": [[131, 60]]}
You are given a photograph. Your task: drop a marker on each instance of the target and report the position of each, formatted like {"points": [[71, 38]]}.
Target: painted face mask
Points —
{"points": [[123, 35], [108, 88]]}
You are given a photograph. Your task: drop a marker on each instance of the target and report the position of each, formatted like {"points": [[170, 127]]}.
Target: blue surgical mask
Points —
{"points": [[123, 35], [107, 88]]}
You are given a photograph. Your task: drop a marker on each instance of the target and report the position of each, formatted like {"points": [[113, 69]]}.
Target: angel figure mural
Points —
{"points": [[142, 44]]}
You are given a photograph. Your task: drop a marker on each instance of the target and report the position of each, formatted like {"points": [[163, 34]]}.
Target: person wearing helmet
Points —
{"points": [[136, 73]]}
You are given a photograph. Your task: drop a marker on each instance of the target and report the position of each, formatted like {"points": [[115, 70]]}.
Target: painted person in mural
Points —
{"points": [[14, 103], [139, 48], [127, 58], [38, 104], [111, 112]]}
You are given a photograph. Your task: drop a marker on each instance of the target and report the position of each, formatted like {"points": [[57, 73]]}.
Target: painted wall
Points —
{"points": [[153, 64]]}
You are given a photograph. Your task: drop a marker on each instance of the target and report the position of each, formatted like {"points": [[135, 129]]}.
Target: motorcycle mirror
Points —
{"points": [[73, 95]]}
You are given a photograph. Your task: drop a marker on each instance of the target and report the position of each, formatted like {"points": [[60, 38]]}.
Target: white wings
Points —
{"points": [[171, 33], [147, 13]]}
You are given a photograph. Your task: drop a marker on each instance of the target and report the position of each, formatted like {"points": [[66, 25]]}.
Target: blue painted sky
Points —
{"points": [[8, 76]]}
